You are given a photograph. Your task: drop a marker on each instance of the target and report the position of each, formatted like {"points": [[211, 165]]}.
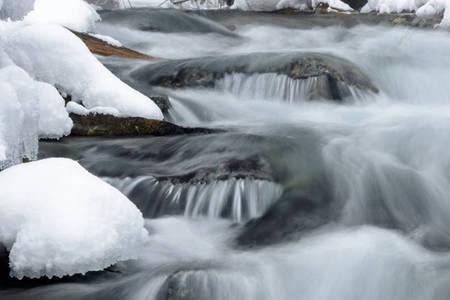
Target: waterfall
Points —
{"points": [[281, 87], [236, 199]]}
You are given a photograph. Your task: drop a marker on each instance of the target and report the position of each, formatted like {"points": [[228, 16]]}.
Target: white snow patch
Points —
{"points": [[58, 219], [107, 39], [423, 8], [74, 14], [54, 55], [75, 108]]}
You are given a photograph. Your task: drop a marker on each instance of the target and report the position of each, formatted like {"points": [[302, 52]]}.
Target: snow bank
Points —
{"points": [[423, 8], [56, 56], [74, 14], [58, 219]]}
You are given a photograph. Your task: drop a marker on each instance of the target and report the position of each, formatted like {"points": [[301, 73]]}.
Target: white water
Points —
{"points": [[387, 159], [237, 199]]}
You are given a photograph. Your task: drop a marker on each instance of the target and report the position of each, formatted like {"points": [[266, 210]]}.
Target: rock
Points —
{"points": [[163, 103], [294, 215], [164, 20], [189, 285], [355, 4], [337, 74], [107, 125], [100, 47]]}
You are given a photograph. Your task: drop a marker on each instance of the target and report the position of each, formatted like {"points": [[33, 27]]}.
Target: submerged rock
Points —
{"points": [[108, 125], [335, 76], [294, 215], [164, 20], [191, 285]]}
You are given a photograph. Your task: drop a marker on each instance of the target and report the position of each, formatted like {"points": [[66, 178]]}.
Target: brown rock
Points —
{"points": [[108, 125], [100, 47]]}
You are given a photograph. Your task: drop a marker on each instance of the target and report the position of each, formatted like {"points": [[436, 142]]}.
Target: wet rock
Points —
{"points": [[188, 285], [338, 74], [100, 47], [355, 4], [164, 20], [294, 215], [107, 125], [163, 103]]}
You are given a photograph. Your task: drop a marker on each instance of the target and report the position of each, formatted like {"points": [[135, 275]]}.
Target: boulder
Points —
{"points": [[108, 125], [355, 4], [291, 217], [335, 75]]}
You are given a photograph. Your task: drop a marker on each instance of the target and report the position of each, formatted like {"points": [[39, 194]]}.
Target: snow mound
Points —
{"points": [[56, 56], [58, 219], [74, 14]]}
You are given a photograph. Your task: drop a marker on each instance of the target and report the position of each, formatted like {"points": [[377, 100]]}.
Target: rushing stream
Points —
{"points": [[292, 198]]}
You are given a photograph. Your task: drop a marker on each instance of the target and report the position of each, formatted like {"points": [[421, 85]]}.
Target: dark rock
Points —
{"points": [[163, 103], [294, 215], [189, 285], [338, 74], [355, 4], [164, 20], [107, 125]]}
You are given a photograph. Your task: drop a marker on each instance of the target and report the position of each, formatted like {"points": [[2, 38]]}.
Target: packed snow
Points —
{"points": [[77, 109], [423, 8], [56, 56], [107, 39], [74, 14], [59, 219], [39, 56]]}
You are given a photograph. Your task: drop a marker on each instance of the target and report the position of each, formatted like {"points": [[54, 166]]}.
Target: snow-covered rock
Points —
{"points": [[107, 39], [54, 55], [422, 8], [74, 14], [76, 108], [57, 219]]}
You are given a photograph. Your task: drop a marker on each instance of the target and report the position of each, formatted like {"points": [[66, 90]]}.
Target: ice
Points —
{"points": [[28, 110], [54, 55], [15, 9], [59, 219]]}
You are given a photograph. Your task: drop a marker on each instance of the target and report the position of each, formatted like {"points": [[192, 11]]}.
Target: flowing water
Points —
{"points": [[354, 196]]}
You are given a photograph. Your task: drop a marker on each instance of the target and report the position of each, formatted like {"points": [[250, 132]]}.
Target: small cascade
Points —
{"points": [[281, 87], [236, 199]]}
